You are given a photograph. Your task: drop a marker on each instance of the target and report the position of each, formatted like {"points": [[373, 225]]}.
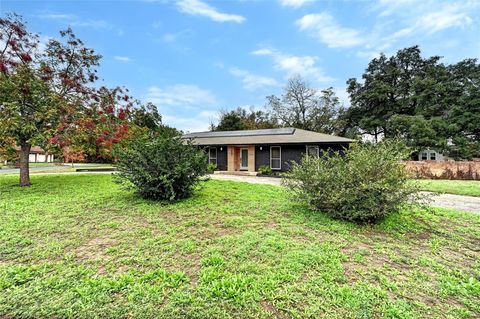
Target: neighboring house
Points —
{"points": [[430, 155], [247, 150], [38, 155]]}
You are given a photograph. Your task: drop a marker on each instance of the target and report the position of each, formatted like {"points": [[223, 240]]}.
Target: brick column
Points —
{"points": [[230, 158], [251, 158]]}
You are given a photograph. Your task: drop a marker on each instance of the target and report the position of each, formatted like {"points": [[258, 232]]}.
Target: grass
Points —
{"points": [[470, 188], [79, 246]]}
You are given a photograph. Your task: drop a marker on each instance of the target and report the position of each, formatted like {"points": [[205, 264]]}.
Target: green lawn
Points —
{"points": [[78, 246], [471, 188]]}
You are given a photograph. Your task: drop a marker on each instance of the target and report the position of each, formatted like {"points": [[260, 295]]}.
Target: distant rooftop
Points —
{"points": [[288, 135]]}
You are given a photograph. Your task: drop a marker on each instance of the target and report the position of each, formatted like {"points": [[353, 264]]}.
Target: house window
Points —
{"points": [[313, 150], [212, 155], [424, 156], [275, 157], [433, 156]]}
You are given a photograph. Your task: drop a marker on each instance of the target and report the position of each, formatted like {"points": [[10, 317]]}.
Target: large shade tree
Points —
{"points": [[420, 100], [39, 88], [305, 107]]}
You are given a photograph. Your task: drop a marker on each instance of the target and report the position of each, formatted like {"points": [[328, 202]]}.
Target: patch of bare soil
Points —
{"points": [[169, 214], [272, 310], [94, 249]]}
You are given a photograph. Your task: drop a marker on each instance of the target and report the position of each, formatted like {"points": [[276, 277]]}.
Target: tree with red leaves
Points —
{"points": [[104, 123], [40, 90]]}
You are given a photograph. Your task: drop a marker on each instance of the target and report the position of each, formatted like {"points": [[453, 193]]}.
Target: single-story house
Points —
{"points": [[430, 155], [247, 150], [38, 155]]}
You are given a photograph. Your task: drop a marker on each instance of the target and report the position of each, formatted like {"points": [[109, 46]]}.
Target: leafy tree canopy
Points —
{"points": [[305, 107], [421, 100], [242, 119]]}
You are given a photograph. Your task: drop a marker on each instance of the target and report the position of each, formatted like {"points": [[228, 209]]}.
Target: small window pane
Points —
{"points": [[424, 156], [213, 153], [275, 152], [276, 163], [312, 151], [275, 157], [433, 156]]}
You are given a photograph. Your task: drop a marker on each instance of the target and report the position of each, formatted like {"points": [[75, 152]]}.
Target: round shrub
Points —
{"points": [[265, 170], [164, 168], [364, 184]]}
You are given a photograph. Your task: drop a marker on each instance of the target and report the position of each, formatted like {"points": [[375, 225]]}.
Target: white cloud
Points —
{"points": [[197, 7], [395, 22], [122, 58], [427, 17], [184, 106], [76, 21], [252, 81], [324, 27], [389, 7], [294, 3], [198, 123], [437, 21], [185, 95], [343, 96], [57, 16], [292, 64]]}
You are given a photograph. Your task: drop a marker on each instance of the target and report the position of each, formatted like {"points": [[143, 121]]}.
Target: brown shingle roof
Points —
{"points": [[33, 149], [266, 136]]}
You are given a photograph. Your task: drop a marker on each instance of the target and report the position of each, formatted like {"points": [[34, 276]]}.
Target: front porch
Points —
{"points": [[241, 159], [236, 173]]}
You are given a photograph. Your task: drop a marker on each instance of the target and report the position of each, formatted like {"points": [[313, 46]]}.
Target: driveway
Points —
{"points": [[35, 168], [458, 202]]}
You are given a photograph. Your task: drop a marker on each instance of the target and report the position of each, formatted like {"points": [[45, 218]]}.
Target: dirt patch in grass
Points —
{"points": [[169, 215], [272, 310], [268, 257], [94, 249]]}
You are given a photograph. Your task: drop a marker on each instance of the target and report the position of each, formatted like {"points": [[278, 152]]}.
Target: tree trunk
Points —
{"points": [[24, 169]]}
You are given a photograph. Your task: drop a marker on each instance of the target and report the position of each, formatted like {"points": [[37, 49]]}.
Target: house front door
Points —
{"points": [[244, 159]]}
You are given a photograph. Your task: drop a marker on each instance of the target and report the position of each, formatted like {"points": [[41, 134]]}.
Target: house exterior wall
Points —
{"points": [[431, 155], [289, 153], [228, 155], [40, 158], [222, 158]]}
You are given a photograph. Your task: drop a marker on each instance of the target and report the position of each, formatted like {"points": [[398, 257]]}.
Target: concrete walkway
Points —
{"points": [[458, 202]]}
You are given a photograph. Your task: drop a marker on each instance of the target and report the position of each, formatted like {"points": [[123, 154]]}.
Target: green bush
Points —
{"points": [[365, 184], [265, 170], [211, 167], [165, 168]]}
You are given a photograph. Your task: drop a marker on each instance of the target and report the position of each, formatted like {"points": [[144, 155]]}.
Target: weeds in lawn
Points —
{"points": [[78, 246]]}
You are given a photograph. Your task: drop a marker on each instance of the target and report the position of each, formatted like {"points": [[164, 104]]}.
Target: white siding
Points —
{"points": [[430, 155]]}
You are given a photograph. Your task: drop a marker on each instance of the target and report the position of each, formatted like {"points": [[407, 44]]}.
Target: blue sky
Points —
{"points": [[195, 57]]}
